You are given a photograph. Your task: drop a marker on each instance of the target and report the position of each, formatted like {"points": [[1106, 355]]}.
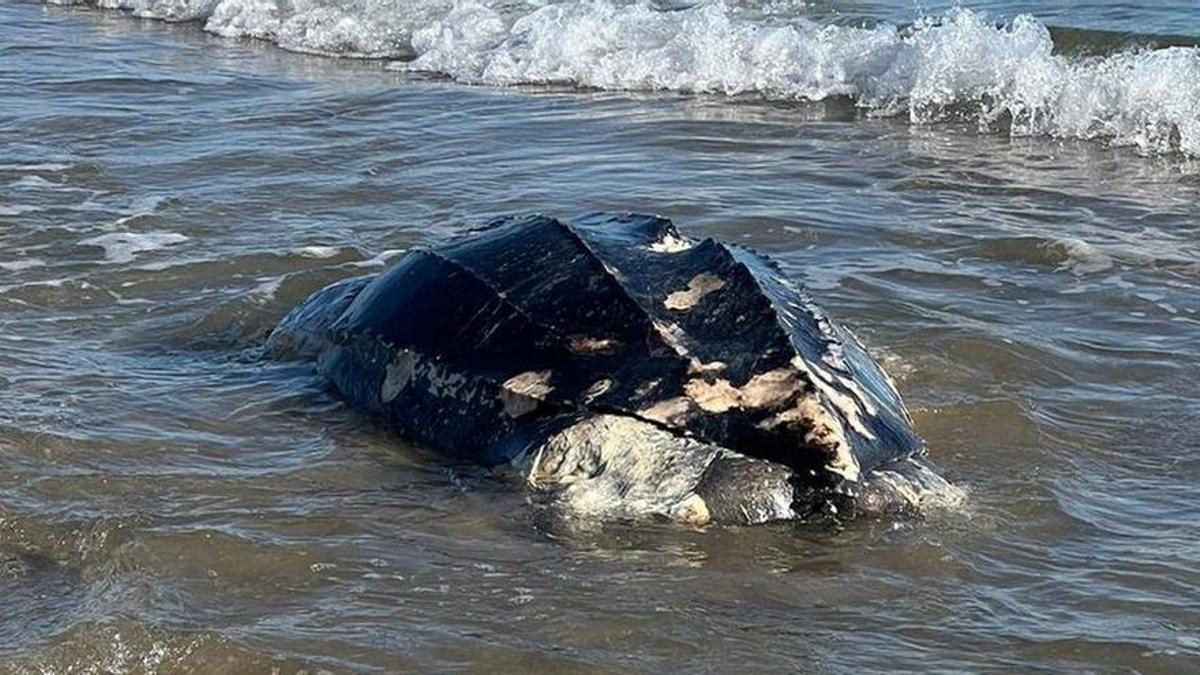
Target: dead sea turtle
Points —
{"points": [[623, 369]]}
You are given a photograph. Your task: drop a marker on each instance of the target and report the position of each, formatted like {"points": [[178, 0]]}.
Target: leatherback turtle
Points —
{"points": [[623, 369]]}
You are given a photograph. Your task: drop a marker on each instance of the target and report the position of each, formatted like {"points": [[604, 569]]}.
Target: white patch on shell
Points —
{"points": [[409, 368], [822, 430], [761, 392], [670, 412], [700, 286], [647, 388], [887, 378], [521, 394], [670, 243], [612, 271], [535, 383], [833, 357], [399, 373], [865, 401], [823, 323], [852, 406], [673, 335], [713, 397], [598, 388], [586, 345], [695, 367], [770, 389], [444, 383]]}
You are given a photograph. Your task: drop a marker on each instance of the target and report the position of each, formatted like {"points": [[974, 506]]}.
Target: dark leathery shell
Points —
{"points": [[466, 343]]}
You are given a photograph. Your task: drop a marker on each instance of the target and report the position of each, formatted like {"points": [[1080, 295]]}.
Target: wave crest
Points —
{"points": [[1004, 77]]}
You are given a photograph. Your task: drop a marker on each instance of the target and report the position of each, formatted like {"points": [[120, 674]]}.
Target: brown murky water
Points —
{"points": [[169, 502]]}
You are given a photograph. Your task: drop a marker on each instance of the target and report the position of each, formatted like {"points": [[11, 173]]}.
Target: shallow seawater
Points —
{"points": [[169, 501]]}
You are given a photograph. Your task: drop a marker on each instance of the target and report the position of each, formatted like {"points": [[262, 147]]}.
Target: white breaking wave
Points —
{"points": [[123, 247], [1084, 258], [318, 251], [1002, 76]]}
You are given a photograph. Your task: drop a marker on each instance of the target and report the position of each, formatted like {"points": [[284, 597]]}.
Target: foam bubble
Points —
{"points": [[123, 247], [267, 288], [1084, 258], [380, 260], [318, 251]]}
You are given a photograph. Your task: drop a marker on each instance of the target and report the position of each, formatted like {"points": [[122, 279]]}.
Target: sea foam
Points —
{"points": [[965, 66], [123, 247]]}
